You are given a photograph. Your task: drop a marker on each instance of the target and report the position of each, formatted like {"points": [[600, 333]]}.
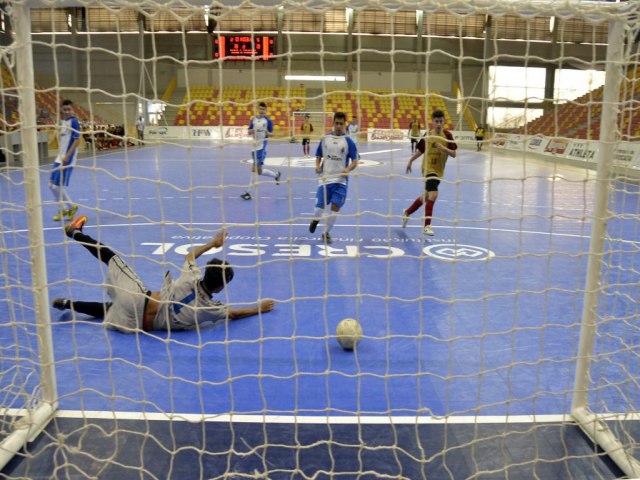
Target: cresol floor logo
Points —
{"points": [[456, 252], [305, 162]]}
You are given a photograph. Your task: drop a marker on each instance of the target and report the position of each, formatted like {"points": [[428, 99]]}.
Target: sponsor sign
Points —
{"points": [[499, 140], [236, 133], [204, 133], [536, 143], [627, 155], [463, 136], [582, 150], [556, 146], [164, 133], [386, 135], [515, 142]]}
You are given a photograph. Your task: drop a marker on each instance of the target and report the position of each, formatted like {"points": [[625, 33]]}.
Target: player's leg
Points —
{"points": [[262, 154], [337, 197], [254, 171], [321, 202], [56, 185], [417, 203], [432, 196], [98, 250], [93, 309]]}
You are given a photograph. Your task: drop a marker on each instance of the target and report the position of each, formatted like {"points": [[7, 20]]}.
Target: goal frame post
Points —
{"points": [[32, 420], [593, 424]]}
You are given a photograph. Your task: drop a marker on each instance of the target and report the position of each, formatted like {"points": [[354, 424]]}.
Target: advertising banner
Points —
{"points": [[377, 135], [557, 146]]}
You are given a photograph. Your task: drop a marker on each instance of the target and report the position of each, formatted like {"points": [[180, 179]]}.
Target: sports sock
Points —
{"points": [[417, 203], [94, 309], [428, 212], [268, 173], [331, 220], [98, 250], [61, 195]]}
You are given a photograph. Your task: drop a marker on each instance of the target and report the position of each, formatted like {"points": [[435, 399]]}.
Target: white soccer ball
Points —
{"points": [[348, 333]]}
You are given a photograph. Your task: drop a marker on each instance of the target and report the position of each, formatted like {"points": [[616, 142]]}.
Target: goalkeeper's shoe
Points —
{"points": [[278, 175], [58, 216], [246, 196], [313, 225], [326, 238], [405, 218], [428, 230], [72, 212], [60, 303], [71, 227]]}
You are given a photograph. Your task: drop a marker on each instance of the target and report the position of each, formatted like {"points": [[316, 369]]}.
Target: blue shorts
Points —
{"points": [[335, 193], [60, 176], [259, 156]]}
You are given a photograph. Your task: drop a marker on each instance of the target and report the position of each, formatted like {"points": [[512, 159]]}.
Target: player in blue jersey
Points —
{"points": [[68, 142], [261, 128], [183, 304], [336, 158]]}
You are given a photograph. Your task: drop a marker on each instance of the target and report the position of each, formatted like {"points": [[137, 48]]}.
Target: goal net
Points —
{"points": [[322, 123], [498, 301]]}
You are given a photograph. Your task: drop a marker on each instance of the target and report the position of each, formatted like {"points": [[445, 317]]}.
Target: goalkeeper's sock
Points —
{"points": [[428, 212], [269, 173], [417, 203], [98, 250], [93, 309]]}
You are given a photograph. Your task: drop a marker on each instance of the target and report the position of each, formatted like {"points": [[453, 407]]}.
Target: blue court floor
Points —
{"points": [[481, 319]]}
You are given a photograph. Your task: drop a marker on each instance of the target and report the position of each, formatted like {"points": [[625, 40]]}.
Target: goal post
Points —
{"points": [[598, 425], [33, 409]]}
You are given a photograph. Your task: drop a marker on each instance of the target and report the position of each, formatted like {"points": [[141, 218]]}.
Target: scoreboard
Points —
{"points": [[244, 47]]}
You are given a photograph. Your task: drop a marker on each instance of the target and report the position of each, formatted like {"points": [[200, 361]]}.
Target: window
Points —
{"points": [[516, 84]]}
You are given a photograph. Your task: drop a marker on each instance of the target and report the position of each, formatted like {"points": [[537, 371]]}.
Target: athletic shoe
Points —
{"points": [[428, 230], [278, 175], [72, 213], [313, 225], [326, 238], [246, 196], [71, 227], [405, 218], [60, 303], [58, 216]]}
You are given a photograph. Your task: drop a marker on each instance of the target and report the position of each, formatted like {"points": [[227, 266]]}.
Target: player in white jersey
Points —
{"points": [[68, 142], [336, 158], [353, 129], [261, 127], [183, 304]]}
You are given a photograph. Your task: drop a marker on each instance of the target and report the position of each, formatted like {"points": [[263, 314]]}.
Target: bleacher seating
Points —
{"points": [[47, 105], [580, 118], [383, 109], [203, 105]]}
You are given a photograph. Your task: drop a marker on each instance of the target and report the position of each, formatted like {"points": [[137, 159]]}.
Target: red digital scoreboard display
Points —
{"points": [[244, 47]]}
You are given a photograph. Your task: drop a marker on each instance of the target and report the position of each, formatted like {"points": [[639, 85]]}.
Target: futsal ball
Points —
{"points": [[348, 333]]}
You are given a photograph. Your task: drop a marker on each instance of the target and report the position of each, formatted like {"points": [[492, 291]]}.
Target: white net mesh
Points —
{"points": [[471, 336]]}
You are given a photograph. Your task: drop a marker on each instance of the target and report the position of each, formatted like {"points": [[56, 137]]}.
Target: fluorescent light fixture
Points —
{"points": [[317, 78]]}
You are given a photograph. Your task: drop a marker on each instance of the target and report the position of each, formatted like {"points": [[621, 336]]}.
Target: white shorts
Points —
{"points": [[128, 296]]}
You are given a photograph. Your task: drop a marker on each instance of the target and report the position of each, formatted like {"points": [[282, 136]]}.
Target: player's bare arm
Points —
{"points": [[413, 159], [216, 242], [352, 166], [318, 165], [263, 306]]}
